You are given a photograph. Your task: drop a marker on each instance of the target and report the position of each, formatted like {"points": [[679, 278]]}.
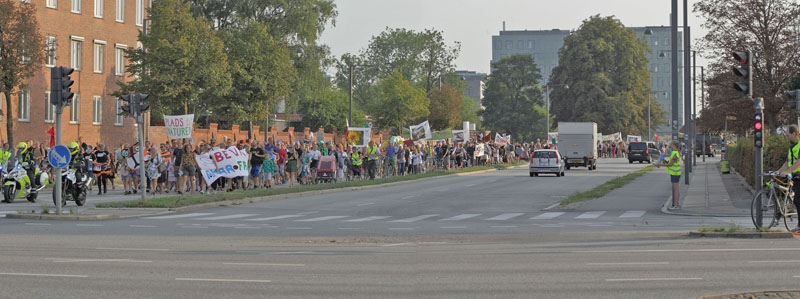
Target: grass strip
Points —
{"points": [[606, 187], [187, 200], [736, 229]]}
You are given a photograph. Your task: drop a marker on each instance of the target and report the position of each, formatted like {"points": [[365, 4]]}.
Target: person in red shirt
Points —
{"points": [[281, 162]]}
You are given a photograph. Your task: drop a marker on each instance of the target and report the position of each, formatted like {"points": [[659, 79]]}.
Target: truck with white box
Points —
{"points": [[577, 143]]}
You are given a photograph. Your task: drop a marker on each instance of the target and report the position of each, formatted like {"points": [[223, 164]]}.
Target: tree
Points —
{"points": [[182, 64], [21, 51], [768, 29], [328, 109], [513, 98], [605, 68], [400, 103], [469, 111], [445, 108], [261, 70]]}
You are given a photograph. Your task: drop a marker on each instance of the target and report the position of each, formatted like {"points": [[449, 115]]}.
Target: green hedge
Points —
{"points": [[741, 156]]}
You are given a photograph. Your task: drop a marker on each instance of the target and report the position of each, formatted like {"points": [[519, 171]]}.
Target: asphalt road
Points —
{"points": [[507, 201], [545, 265]]}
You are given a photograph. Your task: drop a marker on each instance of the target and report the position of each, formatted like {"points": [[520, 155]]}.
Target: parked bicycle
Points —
{"points": [[773, 202]]}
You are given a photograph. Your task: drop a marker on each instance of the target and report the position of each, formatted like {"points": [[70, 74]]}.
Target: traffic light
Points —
{"points": [[127, 108], [55, 86], [66, 83], [141, 107], [758, 135], [794, 94], [745, 71]]}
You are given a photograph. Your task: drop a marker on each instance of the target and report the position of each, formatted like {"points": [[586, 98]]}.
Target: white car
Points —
{"points": [[547, 161]]}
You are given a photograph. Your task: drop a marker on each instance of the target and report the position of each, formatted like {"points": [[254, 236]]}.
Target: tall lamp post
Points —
{"points": [[547, 104]]}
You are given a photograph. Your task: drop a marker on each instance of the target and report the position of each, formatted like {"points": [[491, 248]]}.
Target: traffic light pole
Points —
{"points": [[759, 106], [57, 172]]}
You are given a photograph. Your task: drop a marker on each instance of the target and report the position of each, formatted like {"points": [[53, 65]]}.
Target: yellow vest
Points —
{"points": [[791, 158], [372, 153], [356, 159], [675, 169]]}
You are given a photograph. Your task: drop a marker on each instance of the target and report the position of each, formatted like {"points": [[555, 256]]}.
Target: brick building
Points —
{"points": [[89, 36]]}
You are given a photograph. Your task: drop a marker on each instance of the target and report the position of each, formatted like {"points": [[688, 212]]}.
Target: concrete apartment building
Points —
{"points": [[89, 36], [544, 46], [474, 81]]}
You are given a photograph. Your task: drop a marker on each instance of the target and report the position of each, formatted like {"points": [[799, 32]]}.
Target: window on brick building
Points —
{"points": [[120, 10], [24, 105], [50, 51], [49, 110], [98, 8], [76, 6], [98, 56], [75, 109], [139, 12], [75, 53], [51, 3], [118, 109], [97, 110], [120, 59]]}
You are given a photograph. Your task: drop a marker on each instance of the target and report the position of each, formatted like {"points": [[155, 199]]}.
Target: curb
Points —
{"points": [[62, 217], [667, 203], [742, 235]]}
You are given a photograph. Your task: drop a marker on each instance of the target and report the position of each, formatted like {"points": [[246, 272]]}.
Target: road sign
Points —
{"points": [[59, 156], [730, 117]]}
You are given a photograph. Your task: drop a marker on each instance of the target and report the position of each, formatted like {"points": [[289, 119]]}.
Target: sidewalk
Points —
{"points": [[712, 193]]}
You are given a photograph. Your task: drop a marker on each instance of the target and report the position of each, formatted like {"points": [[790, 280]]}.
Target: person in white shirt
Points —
{"points": [[314, 154]]}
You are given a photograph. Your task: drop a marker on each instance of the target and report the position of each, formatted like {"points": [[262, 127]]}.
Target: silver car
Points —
{"points": [[546, 161]]}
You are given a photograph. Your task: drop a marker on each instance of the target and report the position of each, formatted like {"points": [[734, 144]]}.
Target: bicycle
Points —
{"points": [[774, 202]]}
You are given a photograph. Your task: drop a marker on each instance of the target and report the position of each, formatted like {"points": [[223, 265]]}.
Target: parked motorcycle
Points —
{"points": [[17, 184], [73, 189]]}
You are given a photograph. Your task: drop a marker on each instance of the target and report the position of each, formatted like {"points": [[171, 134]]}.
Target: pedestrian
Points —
{"points": [[291, 164], [188, 167], [257, 155], [674, 169], [305, 168], [267, 169], [154, 162]]}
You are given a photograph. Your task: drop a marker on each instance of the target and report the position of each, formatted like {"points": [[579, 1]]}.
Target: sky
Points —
{"points": [[473, 22]]}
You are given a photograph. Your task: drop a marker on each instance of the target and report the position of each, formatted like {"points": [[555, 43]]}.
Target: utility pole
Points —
{"points": [[134, 107], [674, 68], [60, 96], [687, 83]]}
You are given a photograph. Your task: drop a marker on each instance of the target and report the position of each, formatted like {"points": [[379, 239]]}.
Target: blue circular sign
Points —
{"points": [[59, 156]]}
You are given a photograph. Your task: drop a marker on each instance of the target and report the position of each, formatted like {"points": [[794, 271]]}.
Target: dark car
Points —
{"points": [[698, 150], [639, 151]]}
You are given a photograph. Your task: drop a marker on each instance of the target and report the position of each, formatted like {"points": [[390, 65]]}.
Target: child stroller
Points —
{"points": [[326, 171]]}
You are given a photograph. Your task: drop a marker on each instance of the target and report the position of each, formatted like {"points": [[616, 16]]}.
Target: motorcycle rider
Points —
{"points": [[76, 160], [25, 158], [5, 154]]}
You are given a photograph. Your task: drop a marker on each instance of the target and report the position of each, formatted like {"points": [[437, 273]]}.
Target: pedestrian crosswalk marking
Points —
{"points": [[548, 215], [180, 216], [590, 215], [367, 219], [632, 214], [413, 219], [321, 218], [461, 217], [506, 216], [274, 218], [234, 216]]}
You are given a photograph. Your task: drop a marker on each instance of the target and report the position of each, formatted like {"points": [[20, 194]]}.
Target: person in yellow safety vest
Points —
{"points": [[372, 159], [673, 166], [5, 154], [355, 159], [791, 165]]}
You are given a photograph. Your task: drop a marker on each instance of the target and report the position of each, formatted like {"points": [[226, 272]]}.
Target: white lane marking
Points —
{"points": [[365, 204], [42, 224], [321, 218], [504, 226], [451, 227], [45, 275], [632, 214], [234, 216], [69, 260], [222, 280], [460, 217], [308, 213], [506, 216], [82, 224], [348, 228], [628, 264], [246, 227], [548, 215], [132, 249], [412, 219], [764, 262], [136, 225], [265, 264], [590, 215], [395, 244], [298, 228], [686, 250], [274, 218], [653, 279], [401, 228], [410, 196], [367, 219], [552, 206], [180, 216], [470, 185]]}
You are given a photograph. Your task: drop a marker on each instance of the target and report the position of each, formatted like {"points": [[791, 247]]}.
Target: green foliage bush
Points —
{"points": [[742, 156]]}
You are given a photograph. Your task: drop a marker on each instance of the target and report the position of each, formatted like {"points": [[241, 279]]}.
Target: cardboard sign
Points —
{"points": [[179, 126]]}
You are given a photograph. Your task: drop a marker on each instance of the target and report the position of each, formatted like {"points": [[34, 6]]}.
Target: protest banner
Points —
{"points": [[320, 136], [358, 137], [230, 163], [504, 139], [459, 136], [421, 131], [634, 138], [179, 126], [552, 137]]}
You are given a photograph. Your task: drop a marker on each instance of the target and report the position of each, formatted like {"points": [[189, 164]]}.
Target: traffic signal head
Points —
{"points": [[140, 98], [745, 70], [55, 86], [126, 106], [66, 83], [794, 94], [758, 134]]}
